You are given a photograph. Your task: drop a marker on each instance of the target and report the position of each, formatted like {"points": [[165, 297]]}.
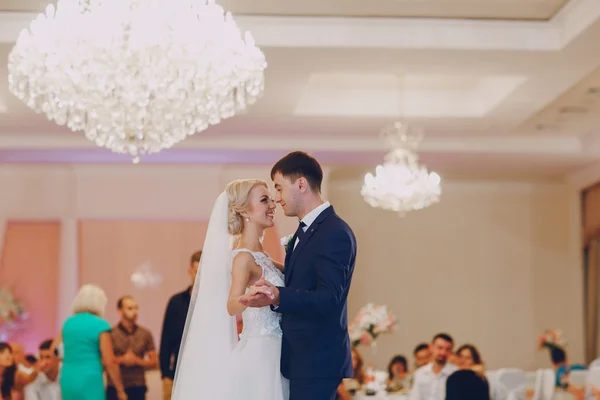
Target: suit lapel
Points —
{"points": [[288, 255], [289, 265]]}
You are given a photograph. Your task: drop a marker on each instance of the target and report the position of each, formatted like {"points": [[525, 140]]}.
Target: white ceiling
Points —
{"points": [[494, 95]]}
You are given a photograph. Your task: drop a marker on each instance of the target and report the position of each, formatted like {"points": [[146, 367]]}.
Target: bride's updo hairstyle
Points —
{"points": [[238, 202]]}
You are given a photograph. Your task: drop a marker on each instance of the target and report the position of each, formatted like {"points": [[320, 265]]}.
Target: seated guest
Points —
{"points": [[12, 379], [561, 366], [422, 355], [350, 386], [430, 381], [20, 359], [468, 357], [46, 386], [398, 376], [466, 385], [30, 361]]}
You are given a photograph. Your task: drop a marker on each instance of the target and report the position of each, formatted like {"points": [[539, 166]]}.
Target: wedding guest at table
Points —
{"points": [[134, 350], [12, 380], [422, 355], [430, 381], [87, 349], [172, 330], [30, 361], [18, 351], [466, 385], [46, 386], [468, 357], [562, 368], [398, 376], [350, 386]]}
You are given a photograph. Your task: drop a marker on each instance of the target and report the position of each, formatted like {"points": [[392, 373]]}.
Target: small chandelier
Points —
{"points": [[137, 76], [401, 184]]}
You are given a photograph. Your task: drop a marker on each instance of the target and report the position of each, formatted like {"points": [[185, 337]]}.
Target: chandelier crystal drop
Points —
{"points": [[136, 76], [400, 184]]}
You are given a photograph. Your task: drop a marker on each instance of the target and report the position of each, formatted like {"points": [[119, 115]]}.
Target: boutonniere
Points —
{"points": [[286, 242]]}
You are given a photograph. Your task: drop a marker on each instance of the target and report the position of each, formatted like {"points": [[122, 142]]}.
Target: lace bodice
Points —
{"points": [[262, 321]]}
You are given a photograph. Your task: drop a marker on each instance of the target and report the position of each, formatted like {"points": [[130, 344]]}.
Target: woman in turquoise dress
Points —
{"points": [[88, 349]]}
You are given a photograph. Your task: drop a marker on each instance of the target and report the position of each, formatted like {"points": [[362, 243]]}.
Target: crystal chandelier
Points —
{"points": [[401, 184], [137, 76]]}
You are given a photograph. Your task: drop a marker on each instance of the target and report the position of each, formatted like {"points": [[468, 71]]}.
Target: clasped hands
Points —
{"points": [[261, 294], [129, 359]]}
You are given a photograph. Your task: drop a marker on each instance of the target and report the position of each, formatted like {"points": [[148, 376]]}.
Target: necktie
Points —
{"points": [[299, 233], [300, 230]]}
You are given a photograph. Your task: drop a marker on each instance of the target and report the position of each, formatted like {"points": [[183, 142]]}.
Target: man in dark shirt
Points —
{"points": [[172, 330]]}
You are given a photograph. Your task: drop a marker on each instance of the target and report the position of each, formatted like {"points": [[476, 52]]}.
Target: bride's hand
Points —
{"points": [[261, 294], [259, 288]]}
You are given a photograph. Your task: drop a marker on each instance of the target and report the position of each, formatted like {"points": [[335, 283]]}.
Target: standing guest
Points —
{"points": [[46, 386], [87, 348], [134, 350], [172, 330]]}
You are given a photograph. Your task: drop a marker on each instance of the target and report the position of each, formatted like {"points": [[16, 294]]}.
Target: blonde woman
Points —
{"points": [[212, 363], [87, 349]]}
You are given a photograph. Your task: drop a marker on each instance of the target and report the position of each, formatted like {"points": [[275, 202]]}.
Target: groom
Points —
{"points": [[319, 263]]}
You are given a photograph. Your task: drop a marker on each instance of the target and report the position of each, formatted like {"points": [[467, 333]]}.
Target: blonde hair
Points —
{"points": [[90, 299], [237, 196]]}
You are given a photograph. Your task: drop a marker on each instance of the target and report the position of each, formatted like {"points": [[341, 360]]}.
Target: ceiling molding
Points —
{"points": [[585, 177], [394, 33], [575, 17], [397, 33], [534, 145]]}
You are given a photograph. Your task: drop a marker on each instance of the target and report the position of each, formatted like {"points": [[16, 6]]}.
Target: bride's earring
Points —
{"points": [[247, 219]]}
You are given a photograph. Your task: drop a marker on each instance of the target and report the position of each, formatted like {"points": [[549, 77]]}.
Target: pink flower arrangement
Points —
{"points": [[11, 310], [551, 338], [371, 321]]}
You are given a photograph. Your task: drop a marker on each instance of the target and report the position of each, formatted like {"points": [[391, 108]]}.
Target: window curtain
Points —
{"points": [[591, 250]]}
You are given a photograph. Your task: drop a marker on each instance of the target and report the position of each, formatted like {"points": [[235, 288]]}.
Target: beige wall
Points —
{"points": [[494, 264]]}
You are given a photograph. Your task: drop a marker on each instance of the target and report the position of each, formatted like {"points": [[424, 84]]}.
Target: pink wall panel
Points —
{"points": [[30, 264]]}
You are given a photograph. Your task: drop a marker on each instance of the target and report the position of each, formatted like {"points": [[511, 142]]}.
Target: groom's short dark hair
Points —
{"points": [[299, 164]]}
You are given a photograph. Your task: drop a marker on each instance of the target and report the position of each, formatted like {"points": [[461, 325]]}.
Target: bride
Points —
{"points": [[212, 363]]}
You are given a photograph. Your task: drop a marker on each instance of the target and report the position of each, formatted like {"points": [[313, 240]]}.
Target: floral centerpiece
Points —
{"points": [[12, 312], [550, 339], [370, 322]]}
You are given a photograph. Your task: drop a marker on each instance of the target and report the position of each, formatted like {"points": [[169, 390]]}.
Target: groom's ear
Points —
{"points": [[302, 184]]}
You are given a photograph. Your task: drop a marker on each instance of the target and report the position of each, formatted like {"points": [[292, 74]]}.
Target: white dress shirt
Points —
{"points": [[311, 217], [42, 388], [429, 386]]}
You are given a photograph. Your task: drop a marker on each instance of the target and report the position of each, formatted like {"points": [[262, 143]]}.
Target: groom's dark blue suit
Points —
{"points": [[315, 354]]}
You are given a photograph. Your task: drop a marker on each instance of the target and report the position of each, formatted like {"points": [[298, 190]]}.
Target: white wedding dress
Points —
{"points": [[213, 363], [256, 358]]}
